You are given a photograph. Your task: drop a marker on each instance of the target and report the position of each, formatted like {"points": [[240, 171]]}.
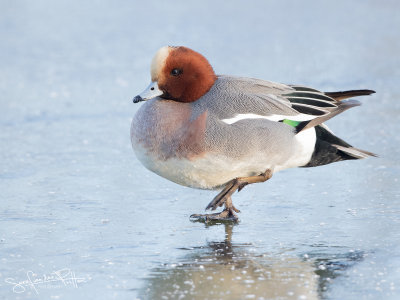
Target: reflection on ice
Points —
{"points": [[223, 270]]}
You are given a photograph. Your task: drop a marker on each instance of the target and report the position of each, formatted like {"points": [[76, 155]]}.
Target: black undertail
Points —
{"points": [[325, 152]]}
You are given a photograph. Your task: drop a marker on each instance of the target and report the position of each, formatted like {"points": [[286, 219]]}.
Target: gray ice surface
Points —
{"points": [[74, 199]]}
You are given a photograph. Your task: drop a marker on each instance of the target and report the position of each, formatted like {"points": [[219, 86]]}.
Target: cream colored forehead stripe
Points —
{"points": [[158, 62]]}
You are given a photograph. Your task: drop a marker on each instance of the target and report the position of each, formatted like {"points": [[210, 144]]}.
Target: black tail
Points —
{"points": [[348, 94], [329, 148]]}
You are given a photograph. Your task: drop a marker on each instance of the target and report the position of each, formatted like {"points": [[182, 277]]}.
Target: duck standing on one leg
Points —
{"points": [[210, 131]]}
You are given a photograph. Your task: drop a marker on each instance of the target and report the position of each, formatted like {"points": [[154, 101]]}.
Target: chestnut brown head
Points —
{"points": [[179, 74]]}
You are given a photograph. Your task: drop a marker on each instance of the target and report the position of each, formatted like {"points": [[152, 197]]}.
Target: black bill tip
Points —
{"points": [[137, 99]]}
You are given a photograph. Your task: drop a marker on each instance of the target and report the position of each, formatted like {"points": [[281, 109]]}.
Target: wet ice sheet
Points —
{"points": [[74, 198]]}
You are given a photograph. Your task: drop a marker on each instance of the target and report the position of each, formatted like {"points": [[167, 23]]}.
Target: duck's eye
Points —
{"points": [[176, 72]]}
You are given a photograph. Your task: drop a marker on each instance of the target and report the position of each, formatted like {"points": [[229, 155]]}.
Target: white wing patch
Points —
{"points": [[275, 118]]}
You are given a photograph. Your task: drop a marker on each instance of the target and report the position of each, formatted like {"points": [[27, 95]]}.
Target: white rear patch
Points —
{"points": [[304, 150], [158, 62], [275, 118]]}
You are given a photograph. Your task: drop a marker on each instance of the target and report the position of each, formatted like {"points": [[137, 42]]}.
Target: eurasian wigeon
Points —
{"points": [[210, 131]]}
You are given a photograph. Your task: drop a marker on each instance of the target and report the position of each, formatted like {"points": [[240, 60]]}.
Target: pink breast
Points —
{"points": [[164, 129]]}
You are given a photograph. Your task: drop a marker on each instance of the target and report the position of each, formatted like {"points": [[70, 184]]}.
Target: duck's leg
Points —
{"points": [[237, 184], [224, 197]]}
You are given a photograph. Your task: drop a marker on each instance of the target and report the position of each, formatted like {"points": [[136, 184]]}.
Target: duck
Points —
{"points": [[221, 132]]}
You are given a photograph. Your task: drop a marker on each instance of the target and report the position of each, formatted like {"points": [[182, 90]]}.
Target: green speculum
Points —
{"points": [[291, 123]]}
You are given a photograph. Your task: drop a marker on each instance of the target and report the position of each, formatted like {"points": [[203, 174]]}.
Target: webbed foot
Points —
{"points": [[227, 214]]}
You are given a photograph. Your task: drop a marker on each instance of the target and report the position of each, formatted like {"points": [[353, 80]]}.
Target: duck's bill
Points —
{"points": [[150, 92]]}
